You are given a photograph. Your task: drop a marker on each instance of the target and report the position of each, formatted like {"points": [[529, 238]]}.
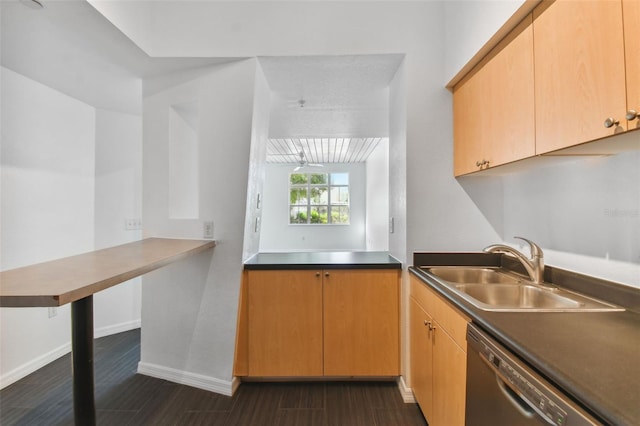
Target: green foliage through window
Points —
{"points": [[319, 198]]}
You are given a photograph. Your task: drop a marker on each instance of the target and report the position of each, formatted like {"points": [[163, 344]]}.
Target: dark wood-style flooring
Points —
{"points": [[126, 398]]}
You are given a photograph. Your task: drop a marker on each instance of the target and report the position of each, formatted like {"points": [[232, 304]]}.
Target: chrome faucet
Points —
{"points": [[534, 266]]}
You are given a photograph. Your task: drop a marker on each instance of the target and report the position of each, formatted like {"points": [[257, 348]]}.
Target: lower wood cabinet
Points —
{"points": [[307, 323], [438, 353], [284, 323]]}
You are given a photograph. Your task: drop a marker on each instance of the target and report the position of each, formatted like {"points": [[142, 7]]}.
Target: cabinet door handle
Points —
{"points": [[430, 325], [326, 274], [482, 164], [317, 274], [610, 122], [632, 115]]}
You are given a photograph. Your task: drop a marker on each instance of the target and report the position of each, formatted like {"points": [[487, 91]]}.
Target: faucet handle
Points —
{"points": [[536, 251]]}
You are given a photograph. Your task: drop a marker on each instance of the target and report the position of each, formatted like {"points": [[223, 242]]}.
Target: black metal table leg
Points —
{"points": [[84, 406]]}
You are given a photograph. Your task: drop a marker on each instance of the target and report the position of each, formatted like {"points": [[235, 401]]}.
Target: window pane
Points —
{"points": [[298, 196], [340, 195], [339, 178], [319, 214], [320, 195], [319, 179], [298, 179], [298, 214], [340, 214]]}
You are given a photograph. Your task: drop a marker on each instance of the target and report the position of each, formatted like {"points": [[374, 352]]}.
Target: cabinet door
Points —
{"points": [[421, 358], [285, 323], [361, 323], [494, 106], [631, 14], [449, 380], [579, 74]]}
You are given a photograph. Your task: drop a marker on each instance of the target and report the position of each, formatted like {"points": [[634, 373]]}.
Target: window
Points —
{"points": [[319, 198]]}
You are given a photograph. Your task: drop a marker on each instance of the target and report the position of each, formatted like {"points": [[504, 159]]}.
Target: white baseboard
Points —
{"points": [[199, 381], [44, 359], [116, 328], [33, 365], [405, 391]]}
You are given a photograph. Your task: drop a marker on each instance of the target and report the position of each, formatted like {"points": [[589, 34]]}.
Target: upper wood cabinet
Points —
{"points": [[566, 75], [631, 14], [494, 106], [579, 72]]}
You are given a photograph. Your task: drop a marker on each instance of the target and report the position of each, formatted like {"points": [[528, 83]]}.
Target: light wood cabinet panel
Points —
{"points": [[307, 323], [440, 390], [449, 380], [452, 320], [494, 106], [421, 358], [361, 323], [284, 323], [579, 72], [631, 14], [241, 354]]}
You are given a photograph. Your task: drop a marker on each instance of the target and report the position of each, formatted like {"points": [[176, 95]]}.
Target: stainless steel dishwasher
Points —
{"points": [[502, 390]]}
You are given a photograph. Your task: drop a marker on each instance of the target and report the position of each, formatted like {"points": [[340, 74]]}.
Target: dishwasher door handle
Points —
{"points": [[523, 406], [518, 403]]}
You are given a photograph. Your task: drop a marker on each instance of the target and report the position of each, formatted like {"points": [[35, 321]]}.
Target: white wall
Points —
{"points": [[278, 235], [118, 195], [189, 308], [377, 210], [588, 208], [257, 165], [470, 25], [71, 174], [47, 207]]}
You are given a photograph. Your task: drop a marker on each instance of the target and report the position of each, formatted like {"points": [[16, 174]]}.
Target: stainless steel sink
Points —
{"points": [[493, 289]]}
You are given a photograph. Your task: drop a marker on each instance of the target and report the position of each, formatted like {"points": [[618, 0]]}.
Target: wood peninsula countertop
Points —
{"points": [[66, 280]]}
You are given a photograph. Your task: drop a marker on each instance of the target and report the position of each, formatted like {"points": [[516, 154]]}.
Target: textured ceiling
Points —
{"points": [[334, 109], [329, 82]]}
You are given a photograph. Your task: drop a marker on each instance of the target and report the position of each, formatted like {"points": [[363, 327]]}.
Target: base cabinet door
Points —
{"points": [[284, 323], [449, 380], [361, 322], [438, 361], [421, 358]]}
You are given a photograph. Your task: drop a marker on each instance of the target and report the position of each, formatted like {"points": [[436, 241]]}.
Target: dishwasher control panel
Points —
{"points": [[548, 402]]}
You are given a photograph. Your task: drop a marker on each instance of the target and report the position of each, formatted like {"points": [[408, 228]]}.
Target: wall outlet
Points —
{"points": [[53, 311], [132, 224], [207, 229]]}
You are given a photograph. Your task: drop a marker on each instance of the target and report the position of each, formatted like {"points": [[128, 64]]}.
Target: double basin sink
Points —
{"points": [[496, 289]]}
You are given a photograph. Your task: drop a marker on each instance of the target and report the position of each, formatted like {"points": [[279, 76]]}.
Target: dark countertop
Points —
{"points": [[593, 357], [324, 260]]}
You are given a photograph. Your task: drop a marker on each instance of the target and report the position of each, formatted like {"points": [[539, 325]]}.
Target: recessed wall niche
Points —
{"points": [[183, 161]]}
